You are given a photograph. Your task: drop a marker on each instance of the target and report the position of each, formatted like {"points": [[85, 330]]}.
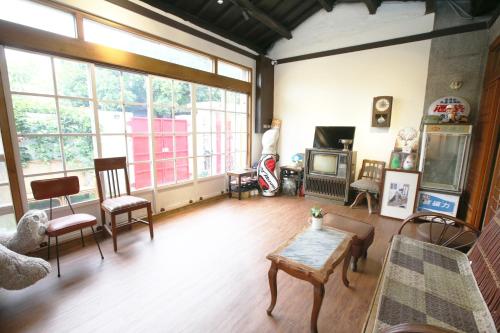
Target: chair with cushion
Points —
{"points": [[107, 171], [368, 183], [63, 187]]}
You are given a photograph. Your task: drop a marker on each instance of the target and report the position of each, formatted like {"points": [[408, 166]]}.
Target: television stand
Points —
{"points": [[328, 174]]}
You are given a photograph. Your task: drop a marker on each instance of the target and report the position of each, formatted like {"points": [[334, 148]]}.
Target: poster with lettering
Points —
{"points": [[438, 107], [438, 202]]}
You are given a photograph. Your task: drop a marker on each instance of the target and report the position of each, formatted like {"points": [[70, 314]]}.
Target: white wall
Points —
{"points": [[339, 90]]}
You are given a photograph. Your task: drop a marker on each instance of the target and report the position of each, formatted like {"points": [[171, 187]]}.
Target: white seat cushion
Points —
{"points": [[125, 201], [366, 185]]}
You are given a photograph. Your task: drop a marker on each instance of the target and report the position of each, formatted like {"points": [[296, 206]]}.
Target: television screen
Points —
{"points": [[328, 137], [324, 163]]}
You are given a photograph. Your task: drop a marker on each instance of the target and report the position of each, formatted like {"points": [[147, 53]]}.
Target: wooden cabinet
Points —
{"points": [[264, 101]]}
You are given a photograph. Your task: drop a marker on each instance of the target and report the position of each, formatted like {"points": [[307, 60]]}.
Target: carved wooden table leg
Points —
{"points": [[319, 292], [273, 271], [345, 268]]}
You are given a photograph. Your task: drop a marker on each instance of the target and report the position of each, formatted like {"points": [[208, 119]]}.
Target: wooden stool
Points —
{"points": [[361, 242]]}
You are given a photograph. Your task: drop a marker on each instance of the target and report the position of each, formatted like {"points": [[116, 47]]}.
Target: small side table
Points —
{"points": [[293, 172], [239, 174]]}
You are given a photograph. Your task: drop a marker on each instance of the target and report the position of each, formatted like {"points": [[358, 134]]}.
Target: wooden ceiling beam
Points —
{"points": [[263, 18], [372, 5], [326, 5]]}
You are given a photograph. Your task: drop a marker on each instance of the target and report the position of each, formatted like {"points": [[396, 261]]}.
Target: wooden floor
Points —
{"points": [[205, 271]]}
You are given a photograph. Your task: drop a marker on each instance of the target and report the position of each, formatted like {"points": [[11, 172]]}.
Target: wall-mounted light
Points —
{"points": [[456, 84]]}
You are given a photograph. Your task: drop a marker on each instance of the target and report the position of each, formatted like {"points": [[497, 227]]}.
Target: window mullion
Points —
{"points": [[58, 115], [96, 110], [194, 112], [152, 167]]}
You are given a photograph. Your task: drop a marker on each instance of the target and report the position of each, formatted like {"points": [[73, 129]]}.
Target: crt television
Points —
{"points": [[328, 137], [327, 163]]}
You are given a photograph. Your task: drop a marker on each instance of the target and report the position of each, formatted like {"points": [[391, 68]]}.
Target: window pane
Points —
{"points": [[218, 143], [182, 94], [113, 145], [111, 118], [183, 121], [140, 175], [230, 101], [79, 151], [230, 70], [108, 84], [184, 169], [38, 16], [241, 103], [218, 164], [230, 144], [163, 121], [40, 154], [165, 172], [5, 197], [35, 115], [218, 119], [241, 123], [134, 87], [77, 116], [87, 186], [203, 121], [204, 144], [203, 97], [162, 91], [137, 118], [8, 223], [240, 141], [217, 97], [138, 148], [105, 35], [183, 145], [29, 72], [204, 166], [72, 78], [230, 122], [164, 146], [3, 173]]}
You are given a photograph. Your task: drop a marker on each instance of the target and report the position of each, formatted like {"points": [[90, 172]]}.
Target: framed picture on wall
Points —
{"points": [[399, 193], [438, 202]]}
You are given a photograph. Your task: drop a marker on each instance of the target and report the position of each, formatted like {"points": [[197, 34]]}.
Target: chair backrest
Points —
{"points": [[106, 171], [485, 263], [55, 187], [371, 169]]}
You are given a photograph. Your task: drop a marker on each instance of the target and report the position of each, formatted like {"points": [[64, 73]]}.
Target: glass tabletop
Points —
{"points": [[313, 247]]}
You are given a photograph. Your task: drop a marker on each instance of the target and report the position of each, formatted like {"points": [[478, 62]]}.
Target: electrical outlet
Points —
{"points": [[201, 198], [162, 209]]}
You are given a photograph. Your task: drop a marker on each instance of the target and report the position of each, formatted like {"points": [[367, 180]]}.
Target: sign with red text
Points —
{"points": [[438, 107]]}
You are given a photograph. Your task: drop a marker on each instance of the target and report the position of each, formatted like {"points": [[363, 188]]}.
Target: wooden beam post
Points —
{"points": [[372, 5], [326, 5], [262, 17]]}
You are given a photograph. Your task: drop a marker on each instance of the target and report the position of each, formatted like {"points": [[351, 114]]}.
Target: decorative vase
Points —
{"points": [[316, 223], [409, 162], [396, 161]]}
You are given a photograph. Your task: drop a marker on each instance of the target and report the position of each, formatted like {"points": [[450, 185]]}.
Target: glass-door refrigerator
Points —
{"points": [[443, 157]]}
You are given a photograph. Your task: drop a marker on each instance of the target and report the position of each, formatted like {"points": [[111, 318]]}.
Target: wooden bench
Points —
{"points": [[428, 287]]}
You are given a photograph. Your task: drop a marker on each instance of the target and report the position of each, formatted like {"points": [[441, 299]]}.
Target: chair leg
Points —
{"points": [[57, 254], [113, 231], [369, 199], [81, 236], [103, 217], [150, 220], [359, 197], [95, 238], [355, 264], [129, 220], [48, 249], [365, 254]]}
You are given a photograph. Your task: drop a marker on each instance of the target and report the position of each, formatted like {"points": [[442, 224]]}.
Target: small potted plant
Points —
{"points": [[316, 218]]}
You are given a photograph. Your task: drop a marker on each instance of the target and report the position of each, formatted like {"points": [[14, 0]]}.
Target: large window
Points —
{"points": [[221, 128], [102, 34], [69, 112], [7, 218], [38, 16], [233, 71]]}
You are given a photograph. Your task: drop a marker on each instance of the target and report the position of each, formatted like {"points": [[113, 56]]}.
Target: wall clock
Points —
{"points": [[381, 111]]}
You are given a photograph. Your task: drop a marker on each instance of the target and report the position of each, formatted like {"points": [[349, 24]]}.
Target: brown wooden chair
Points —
{"points": [[63, 187], [369, 182], [107, 170]]}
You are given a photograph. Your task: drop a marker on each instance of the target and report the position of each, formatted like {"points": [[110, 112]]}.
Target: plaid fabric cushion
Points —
{"points": [[125, 201], [428, 284]]}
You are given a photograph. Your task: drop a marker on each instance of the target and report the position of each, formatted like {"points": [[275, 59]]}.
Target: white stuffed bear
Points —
{"points": [[18, 271]]}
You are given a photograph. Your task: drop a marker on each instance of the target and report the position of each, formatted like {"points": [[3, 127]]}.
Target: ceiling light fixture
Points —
{"points": [[220, 2]]}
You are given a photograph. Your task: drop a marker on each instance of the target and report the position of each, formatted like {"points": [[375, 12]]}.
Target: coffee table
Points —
{"points": [[311, 255]]}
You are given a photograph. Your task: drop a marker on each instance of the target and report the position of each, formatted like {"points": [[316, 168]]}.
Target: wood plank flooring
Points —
{"points": [[205, 271]]}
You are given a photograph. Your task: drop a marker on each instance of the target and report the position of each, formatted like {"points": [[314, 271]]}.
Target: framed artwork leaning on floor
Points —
{"points": [[399, 193]]}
